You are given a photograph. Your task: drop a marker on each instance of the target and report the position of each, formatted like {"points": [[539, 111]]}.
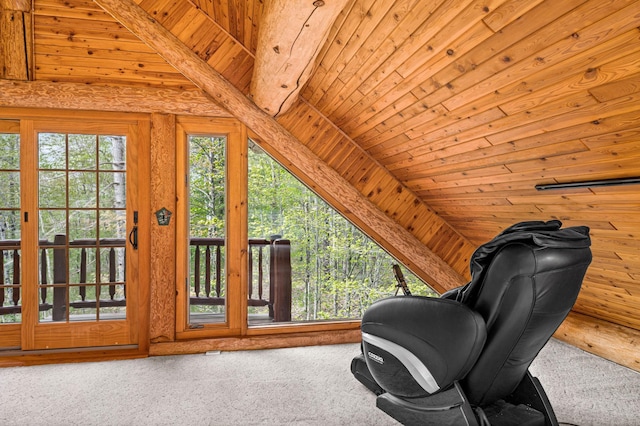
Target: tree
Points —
{"points": [[337, 270]]}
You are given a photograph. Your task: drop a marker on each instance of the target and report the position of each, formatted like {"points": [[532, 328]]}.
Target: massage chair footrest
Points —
{"points": [[449, 407]]}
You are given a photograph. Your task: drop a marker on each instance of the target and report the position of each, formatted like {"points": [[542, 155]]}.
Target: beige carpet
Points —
{"points": [[305, 386]]}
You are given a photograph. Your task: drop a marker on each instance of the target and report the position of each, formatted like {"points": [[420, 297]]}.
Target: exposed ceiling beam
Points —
{"points": [[62, 95], [437, 272], [292, 33], [16, 39]]}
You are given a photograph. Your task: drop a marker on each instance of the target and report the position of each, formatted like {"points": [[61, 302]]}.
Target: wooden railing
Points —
{"points": [[273, 254], [57, 249], [11, 250]]}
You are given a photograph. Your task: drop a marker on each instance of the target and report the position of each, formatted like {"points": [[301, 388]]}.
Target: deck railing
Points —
{"points": [[208, 286], [272, 254]]}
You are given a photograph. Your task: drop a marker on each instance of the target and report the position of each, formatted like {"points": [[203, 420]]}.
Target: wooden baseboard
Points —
{"points": [[611, 341], [63, 356], [255, 342]]}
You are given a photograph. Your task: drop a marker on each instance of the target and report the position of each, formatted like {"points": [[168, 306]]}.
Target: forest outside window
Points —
{"points": [[336, 271], [207, 277], [260, 248]]}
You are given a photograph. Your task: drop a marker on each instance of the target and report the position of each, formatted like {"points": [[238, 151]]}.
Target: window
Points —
{"points": [[207, 277], [336, 270]]}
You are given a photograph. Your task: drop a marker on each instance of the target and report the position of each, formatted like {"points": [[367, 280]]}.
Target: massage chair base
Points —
{"points": [[528, 405], [446, 408]]}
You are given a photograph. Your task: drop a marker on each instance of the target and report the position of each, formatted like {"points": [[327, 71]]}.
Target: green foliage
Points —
{"points": [[337, 271], [207, 186]]}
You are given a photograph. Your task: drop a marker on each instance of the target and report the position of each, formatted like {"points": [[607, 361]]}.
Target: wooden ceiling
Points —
{"points": [[443, 113]]}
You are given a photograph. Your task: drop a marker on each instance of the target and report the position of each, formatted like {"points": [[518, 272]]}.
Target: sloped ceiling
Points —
{"points": [[470, 104], [444, 114]]}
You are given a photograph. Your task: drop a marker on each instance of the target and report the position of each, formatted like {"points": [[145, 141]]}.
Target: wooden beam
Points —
{"points": [[605, 339], [44, 94], [292, 33], [16, 40], [346, 197], [163, 237]]}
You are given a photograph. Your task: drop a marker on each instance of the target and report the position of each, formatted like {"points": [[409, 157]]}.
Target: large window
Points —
{"points": [[207, 277], [336, 270]]}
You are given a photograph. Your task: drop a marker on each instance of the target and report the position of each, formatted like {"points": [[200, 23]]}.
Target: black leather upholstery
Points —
{"points": [[527, 293], [444, 335], [484, 335]]}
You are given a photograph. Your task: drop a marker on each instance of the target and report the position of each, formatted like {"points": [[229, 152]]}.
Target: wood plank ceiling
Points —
{"points": [[444, 113]]}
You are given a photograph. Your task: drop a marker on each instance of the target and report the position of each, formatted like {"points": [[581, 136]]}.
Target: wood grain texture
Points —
{"points": [[163, 238], [43, 94], [614, 342], [291, 34]]}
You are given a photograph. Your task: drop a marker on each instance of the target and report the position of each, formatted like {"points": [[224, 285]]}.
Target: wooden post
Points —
{"points": [[163, 237], [16, 40], [16, 278], [59, 277], [280, 279]]}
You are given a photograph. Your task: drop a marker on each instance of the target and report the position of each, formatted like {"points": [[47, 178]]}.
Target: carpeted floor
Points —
{"points": [[306, 386]]}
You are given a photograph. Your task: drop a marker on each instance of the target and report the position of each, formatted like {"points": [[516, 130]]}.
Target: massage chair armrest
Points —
{"points": [[416, 346]]}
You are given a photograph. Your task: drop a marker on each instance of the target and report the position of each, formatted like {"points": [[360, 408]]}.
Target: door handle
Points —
{"points": [[133, 235]]}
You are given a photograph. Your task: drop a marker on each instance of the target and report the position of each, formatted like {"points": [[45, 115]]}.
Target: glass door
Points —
{"points": [[80, 236]]}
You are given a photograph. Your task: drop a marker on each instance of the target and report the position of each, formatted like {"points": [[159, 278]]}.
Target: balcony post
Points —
{"points": [[280, 279], [59, 277]]}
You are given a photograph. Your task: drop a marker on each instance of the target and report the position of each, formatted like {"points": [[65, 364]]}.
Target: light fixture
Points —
{"points": [[589, 183]]}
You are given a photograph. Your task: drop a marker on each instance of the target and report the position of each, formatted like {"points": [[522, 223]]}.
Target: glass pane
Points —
{"points": [[10, 149], [112, 299], [112, 190], [82, 152], [207, 168], [52, 151], [112, 153], [112, 223], [318, 264], [81, 303], [82, 190], [82, 225], [53, 189], [54, 309], [82, 265], [52, 223], [10, 184], [46, 304]]}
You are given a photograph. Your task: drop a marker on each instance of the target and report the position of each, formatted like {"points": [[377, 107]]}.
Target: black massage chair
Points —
{"points": [[463, 358]]}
